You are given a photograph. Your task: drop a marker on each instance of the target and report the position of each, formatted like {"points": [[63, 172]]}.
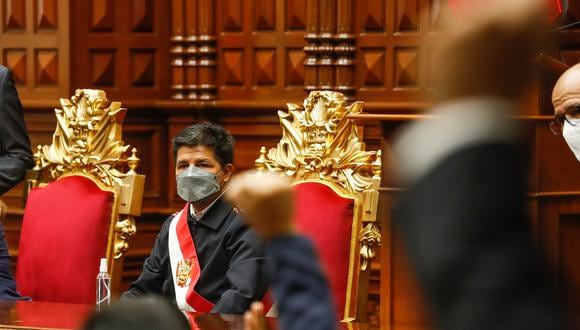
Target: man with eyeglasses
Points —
{"points": [[566, 101]]}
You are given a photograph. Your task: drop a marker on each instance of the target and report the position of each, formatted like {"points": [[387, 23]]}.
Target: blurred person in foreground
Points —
{"points": [[463, 216], [149, 313], [300, 288], [205, 257], [566, 101], [15, 159]]}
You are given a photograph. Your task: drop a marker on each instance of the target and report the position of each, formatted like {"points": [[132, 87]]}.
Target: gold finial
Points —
{"points": [[133, 161], [377, 164], [38, 158], [260, 163]]}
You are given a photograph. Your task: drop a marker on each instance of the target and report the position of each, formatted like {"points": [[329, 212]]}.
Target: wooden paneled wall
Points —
{"points": [[236, 62], [34, 44], [121, 46]]}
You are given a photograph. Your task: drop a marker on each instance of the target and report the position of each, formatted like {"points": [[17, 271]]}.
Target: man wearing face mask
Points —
{"points": [[566, 101], [205, 257]]}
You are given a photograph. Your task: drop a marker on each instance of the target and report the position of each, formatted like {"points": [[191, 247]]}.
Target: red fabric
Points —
{"points": [[194, 299], [460, 8], [268, 301], [326, 218], [555, 8], [64, 234]]}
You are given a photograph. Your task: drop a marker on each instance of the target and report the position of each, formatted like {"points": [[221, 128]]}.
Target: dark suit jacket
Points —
{"points": [[15, 158], [465, 227], [15, 155], [300, 288], [231, 257]]}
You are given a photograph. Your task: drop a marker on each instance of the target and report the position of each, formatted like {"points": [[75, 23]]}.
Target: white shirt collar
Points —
{"points": [[198, 215]]}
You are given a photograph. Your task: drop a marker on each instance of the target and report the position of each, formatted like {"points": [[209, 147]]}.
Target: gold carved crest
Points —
{"points": [[183, 271], [87, 138], [319, 142]]}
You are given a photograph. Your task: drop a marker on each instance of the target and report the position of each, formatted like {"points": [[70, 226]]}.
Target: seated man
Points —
{"points": [[204, 257]]}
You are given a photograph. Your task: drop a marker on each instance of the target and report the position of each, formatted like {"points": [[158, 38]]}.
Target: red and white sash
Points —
{"points": [[185, 268]]}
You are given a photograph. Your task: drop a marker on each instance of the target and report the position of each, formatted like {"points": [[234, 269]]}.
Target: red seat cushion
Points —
{"points": [[326, 218], [64, 234]]}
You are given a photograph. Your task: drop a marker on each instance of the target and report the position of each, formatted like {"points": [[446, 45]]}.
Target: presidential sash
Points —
{"points": [[185, 266]]}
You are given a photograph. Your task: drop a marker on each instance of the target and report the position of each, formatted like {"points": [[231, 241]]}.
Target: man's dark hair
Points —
{"points": [[152, 312], [210, 136]]}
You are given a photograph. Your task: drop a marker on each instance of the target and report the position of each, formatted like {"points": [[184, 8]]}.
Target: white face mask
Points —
{"points": [[571, 134]]}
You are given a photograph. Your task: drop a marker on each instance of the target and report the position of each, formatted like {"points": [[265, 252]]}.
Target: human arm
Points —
{"points": [[246, 274], [155, 268], [464, 226], [300, 288], [463, 216], [15, 154]]}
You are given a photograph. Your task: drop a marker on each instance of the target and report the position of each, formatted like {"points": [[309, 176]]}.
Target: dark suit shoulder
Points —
{"points": [[4, 71], [235, 223], [165, 226]]}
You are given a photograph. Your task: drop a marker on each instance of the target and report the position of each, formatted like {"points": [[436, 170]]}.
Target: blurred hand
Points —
{"points": [[254, 318], [266, 200], [3, 210], [490, 54]]}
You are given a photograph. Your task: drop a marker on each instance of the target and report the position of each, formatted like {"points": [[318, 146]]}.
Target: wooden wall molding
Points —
{"points": [[193, 51], [275, 49]]}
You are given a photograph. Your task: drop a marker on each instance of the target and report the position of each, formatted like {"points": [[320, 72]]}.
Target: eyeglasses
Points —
{"points": [[571, 116]]}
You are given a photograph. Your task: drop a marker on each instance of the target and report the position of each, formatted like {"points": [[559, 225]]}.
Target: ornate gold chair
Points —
{"points": [[82, 197], [336, 183]]}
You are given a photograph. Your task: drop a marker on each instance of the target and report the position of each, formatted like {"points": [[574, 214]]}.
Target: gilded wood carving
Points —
{"points": [[88, 142], [319, 142]]}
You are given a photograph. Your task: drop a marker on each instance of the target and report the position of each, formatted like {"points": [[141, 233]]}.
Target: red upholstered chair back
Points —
{"points": [[336, 184], [82, 197], [64, 234], [327, 219]]}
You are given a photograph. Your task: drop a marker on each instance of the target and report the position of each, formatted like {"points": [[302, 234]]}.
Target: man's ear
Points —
{"points": [[228, 170]]}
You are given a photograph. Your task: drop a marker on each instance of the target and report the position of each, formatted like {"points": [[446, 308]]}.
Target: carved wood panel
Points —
{"points": [[392, 58], [34, 45], [259, 52], [121, 47]]}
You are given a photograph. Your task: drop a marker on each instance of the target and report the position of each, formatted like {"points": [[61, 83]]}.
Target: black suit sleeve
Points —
{"points": [[300, 287], [15, 155], [154, 274], [246, 273], [465, 227]]}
